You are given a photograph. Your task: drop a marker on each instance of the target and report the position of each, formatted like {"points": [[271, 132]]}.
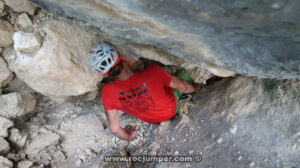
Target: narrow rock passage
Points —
{"points": [[246, 54]]}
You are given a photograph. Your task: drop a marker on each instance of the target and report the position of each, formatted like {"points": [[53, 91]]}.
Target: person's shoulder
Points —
{"points": [[107, 87], [153, 66]]}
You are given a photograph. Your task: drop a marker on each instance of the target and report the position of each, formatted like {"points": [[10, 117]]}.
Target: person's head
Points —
{"points": [[105, 59]]}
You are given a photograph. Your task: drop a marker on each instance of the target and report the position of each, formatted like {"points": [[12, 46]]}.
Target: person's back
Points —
{"points": [[146, 95]]}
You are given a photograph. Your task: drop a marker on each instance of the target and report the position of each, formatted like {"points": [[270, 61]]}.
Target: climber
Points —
{"points": [[151, 94]]}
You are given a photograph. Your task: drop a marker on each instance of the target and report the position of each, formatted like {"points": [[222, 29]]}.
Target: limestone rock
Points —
{"points": [[233, 129], [5, 74], [22, 6], [220, 140], [199, 74], [17, 85], [1, 6], [79, 131], [16, 104], [257, 116], [26, 42], [4, 146], [41, 141], [4, 125], [16, 157], [2, 12], [40, 165], [25, 164], [246, 37], [24, 20], [60, 67], [6, 31], [17, 138], [5, 163]]}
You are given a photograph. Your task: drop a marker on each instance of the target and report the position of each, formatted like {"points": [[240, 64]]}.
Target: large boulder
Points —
{"points": [[253, 38], [5, 74], [60, 67], [21, 6], [6, 31], [4, 125], [14, 105]]}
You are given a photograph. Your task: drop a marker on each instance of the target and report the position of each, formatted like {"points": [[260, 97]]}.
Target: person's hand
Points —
{"points": [[198, 86], [131, 131]]}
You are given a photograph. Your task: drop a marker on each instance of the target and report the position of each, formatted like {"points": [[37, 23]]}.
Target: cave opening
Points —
{"points": [[142, 62]]}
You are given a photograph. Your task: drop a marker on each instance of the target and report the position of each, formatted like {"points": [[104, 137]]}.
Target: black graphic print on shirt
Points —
{"points": [[136, 100]]}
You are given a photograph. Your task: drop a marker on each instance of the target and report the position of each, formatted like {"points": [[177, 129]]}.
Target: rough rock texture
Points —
{"points": [[17, 85], [200, 74], [87, 124], [6, 31], [41, 141], [26, 42], [25, 164], [4, 146], [24, 21], [5, 163], [238, 122], [2, 11], [83, 139], [60, 67], [16, 104], [14, 157], [235, 122], [17, 137], [21, 6], [254, 38], [5, 74], [4, 125]]}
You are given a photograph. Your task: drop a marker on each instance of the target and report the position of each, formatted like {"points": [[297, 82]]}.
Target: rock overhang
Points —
{"points": [[252, 38]]}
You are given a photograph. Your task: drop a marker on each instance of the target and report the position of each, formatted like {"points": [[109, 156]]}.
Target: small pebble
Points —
{"points": [[233, 129], [220, 140], [79, 162]]}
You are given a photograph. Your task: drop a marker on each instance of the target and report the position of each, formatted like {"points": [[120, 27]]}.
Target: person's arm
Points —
{"points": [[183, 86], [127, 133]]}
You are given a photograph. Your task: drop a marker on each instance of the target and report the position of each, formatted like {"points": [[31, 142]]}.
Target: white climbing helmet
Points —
{"points": [[103, 56]]}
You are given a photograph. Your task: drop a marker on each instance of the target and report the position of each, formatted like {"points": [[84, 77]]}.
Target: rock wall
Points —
{"points": [[56, 65], [253, 38], [238, 122]]}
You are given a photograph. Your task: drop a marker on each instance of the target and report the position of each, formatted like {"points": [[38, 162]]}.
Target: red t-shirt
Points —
{"points": [[146, 95]]}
